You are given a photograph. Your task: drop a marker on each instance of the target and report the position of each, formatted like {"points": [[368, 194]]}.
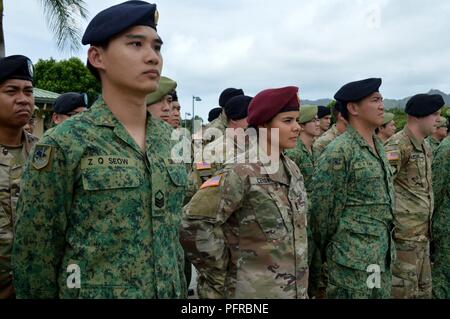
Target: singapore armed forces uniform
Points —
{"points": [[411, 163], [441, 221], [12, 163], [94, 199], [245, 232], [351, 217]]}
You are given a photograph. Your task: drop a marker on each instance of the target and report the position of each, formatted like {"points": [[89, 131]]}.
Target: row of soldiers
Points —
{"points": [[100, 209], [370, 202]]}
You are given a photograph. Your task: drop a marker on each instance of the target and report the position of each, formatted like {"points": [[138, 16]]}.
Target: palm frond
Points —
{"points": [[64, 20]]}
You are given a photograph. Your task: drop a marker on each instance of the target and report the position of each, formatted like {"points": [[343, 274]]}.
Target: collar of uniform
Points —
{"points": [[101, 114], [414, 141], [356, 136], [264, 158]]}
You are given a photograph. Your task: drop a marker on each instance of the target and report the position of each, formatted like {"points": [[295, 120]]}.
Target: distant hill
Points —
{"points": [[388, 103]]}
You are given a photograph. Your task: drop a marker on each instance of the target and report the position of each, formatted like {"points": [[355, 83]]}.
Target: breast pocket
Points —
{"points": [[113, 199], [417, 170], [272, 213], [100, 179], [176, 190]]}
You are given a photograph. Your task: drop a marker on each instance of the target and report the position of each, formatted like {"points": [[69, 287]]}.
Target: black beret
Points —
{"points": [[323, 111], [422, 105], [358, 90], [68, 102], [237, 107], [17, 67], [174, 96], [116, 19], [228, 94], [214, 113]]}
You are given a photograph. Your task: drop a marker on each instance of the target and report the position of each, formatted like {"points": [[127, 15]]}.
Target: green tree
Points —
{"points": [[66, 76], [62, 17]]}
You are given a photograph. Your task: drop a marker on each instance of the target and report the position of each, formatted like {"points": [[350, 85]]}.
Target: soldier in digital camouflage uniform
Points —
{"points": [[98, 198], [411, 158], [16, 105], [441, 221], [337, 129], [324, 115], [351, 201], [303, 155], [245, 230], [436, 138]]}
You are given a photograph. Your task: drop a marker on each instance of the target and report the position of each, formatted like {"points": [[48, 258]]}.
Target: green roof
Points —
{"points": [[44, 97]]}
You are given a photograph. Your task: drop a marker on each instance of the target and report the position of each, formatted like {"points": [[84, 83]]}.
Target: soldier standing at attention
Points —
{"points": [[441, 221], [324, 115], [441, 132], [66, 106], [175, 117], [303, 156], [16, 107], [337, 129], [245, 229], [221, 122], [385, 131], [159, 103], [103, 197], [410, 158], [352, 197]]}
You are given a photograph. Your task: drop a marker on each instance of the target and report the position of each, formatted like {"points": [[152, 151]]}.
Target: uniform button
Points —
{"points": [[5, 151]]}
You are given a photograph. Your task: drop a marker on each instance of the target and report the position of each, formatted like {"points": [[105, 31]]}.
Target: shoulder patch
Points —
{"points": [[212, 182], [41, 156], [202, 166], [393, 155]]}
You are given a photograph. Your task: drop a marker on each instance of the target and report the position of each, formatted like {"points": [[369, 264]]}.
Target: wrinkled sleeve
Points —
{"points": [[202, 231], [38, 248], [328, 197], [440, 169]]}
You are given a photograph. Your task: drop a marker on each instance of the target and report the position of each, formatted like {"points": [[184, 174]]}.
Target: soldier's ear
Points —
{"points": [[353, 109], [95, 57]]}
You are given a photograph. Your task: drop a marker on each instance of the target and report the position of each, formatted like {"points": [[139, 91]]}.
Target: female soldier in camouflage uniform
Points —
{"points": [[245, 229]]}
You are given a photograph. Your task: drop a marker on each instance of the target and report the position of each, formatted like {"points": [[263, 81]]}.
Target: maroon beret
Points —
{"points": [[268, 103]]}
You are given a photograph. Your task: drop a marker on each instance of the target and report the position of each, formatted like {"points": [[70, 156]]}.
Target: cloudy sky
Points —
{"points": [[317, 45]]}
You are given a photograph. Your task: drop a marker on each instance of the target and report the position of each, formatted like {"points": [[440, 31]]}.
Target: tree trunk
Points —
{"points": [[2, 36]]}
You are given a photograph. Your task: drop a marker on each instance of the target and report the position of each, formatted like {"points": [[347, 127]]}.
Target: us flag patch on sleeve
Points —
{"points": [[212, 182], [393, 155]]}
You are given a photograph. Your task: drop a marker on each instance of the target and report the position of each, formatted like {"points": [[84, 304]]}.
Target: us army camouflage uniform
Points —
{"points": [[433, 143], [93, 198], [351, 217], [11, 169], [220, 123], [411, 163], [306, 162], [217, 153], [245, 232], [441, 221], [323, 141]]}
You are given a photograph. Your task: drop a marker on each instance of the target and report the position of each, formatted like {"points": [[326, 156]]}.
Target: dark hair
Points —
{"points": [[90, 67]]}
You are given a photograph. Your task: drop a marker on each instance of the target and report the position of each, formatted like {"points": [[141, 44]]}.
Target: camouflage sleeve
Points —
{"points": [[202, 232], [396, 156], [328, 196], [440, 169], [41, 222]]}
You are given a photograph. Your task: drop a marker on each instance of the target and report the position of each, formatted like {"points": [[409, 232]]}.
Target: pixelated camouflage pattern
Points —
{"points": [[432, 143], [220, 123], [411, 273], [351, 213], [441, 221], [247, 236], [326, 138], [105, 205], [11, 170]]}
